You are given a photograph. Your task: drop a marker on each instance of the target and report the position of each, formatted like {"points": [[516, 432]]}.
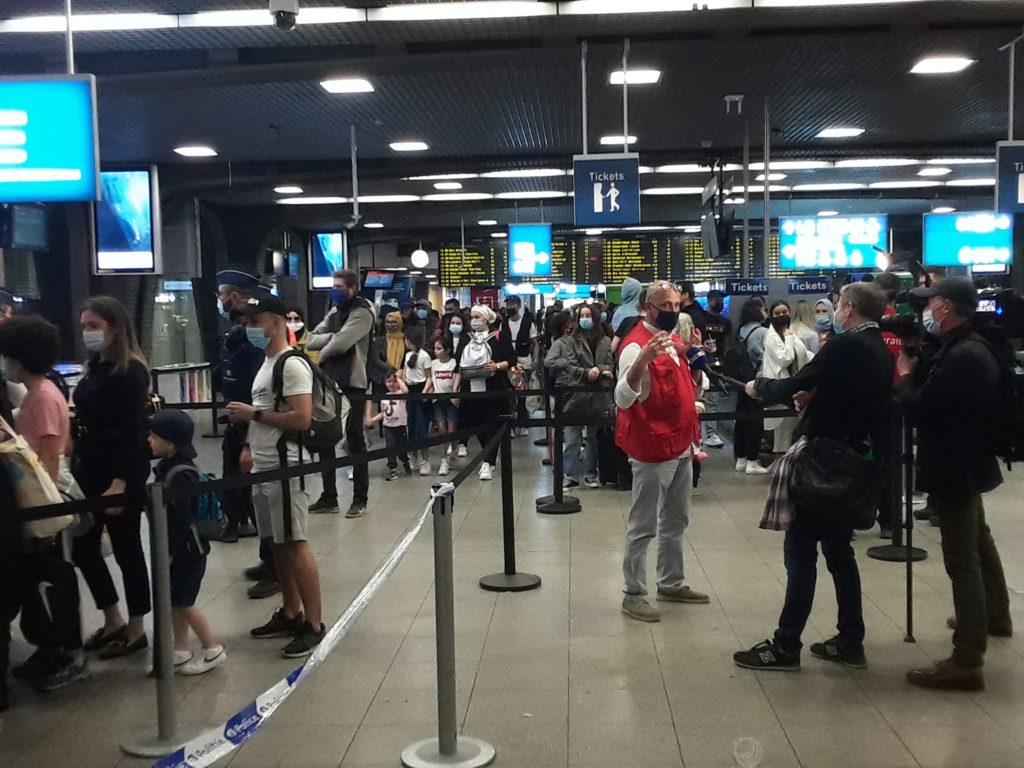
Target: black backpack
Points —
{"points": [[330, 407], [1009, 425], [736, 363]]}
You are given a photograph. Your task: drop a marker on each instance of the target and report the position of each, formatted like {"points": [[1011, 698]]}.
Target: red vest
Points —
{"points": [[664, 425]]}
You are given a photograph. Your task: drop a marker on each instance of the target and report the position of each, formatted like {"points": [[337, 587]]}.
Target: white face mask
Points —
{"points": [[95, 341], [296, 326], [478, 325]]}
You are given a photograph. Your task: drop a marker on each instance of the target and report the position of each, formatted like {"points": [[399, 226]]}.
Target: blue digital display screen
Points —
{"points": [[124, 223], [48, 148], [827, 242], [529, 250], [970, 239], [327, 254]]}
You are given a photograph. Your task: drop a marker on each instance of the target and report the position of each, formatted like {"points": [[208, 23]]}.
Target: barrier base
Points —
{"points": [[514, 582], [148, 743], [896, 553], [541, 442], [569, 505], [469, 753]]}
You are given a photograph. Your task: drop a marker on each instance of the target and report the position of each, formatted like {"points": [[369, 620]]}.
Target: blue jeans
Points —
{"points": [[571, 459], [419, 412]]}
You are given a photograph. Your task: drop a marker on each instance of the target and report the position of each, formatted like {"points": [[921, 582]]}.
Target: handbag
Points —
{"points": [[33, 486], [838, 480]]}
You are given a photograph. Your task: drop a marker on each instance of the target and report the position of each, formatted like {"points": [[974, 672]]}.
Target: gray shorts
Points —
{"points": [[268, 503]]}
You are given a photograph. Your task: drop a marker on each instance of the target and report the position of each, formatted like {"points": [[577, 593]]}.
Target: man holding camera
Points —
{"points": [[954, 404]]}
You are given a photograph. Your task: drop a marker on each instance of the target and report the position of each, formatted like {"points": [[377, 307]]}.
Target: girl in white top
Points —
{"points": [[444, 379], [784, 355], [416, 371]]}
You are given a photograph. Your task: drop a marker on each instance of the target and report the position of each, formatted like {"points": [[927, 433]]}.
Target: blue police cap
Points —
{"points": [[240, 275]]}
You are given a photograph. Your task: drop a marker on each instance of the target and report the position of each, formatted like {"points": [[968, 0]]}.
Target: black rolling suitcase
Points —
{"points": [[612, 463]]}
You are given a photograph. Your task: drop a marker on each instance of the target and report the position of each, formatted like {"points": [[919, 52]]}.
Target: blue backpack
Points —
{"points": [[210, 521]]}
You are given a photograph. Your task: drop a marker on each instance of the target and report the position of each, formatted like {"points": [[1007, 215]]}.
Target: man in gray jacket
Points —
{"points": [[343, 339]]}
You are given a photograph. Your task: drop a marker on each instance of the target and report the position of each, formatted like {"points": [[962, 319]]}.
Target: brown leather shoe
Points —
{"points": [[996, 630], [946, 675]]}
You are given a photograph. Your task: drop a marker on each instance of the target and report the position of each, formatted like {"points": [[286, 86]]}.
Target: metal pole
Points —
{"points": [[355, 176], [625, 96], [69, 39], [1013, 82], [746, 195], [908, 496], [767, 185], [558, 503], [895, 489], [583, 83]]}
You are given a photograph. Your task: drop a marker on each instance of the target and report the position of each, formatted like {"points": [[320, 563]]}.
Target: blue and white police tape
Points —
{"points": [[215, 743]]}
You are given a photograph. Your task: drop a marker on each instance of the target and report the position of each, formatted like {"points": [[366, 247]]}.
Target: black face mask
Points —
{"points": [[716, 308], [780, 323], [666, 319]]}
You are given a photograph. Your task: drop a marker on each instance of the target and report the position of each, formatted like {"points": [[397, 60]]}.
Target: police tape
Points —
{"points": [[215, 743]]}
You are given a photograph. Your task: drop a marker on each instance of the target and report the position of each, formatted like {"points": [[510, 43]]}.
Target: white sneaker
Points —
{"points": [[425, 468], [591, 482], [351, 472], [485, 471], [443, 469], [462, 451], [524, 432], [741, 465], [181, 658], [211, 659], [753, 468], [714, 441]]}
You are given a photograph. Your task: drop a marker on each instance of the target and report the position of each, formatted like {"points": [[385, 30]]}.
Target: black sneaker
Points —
{"points": [[408, 469], [830, 651], [254, 572], [279, 626], [325, 503], [356, 509], [229, 535], [39, 665], [769, 656], [305, 640], [266, 587]]}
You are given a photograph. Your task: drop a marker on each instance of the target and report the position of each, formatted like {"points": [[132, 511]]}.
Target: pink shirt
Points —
{"points": [[44, 413]]}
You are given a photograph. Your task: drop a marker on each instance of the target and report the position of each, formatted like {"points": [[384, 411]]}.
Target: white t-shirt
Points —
{"points": [[443, 375], [417, 366], [395, 413], [298, 380], [514, 324]]}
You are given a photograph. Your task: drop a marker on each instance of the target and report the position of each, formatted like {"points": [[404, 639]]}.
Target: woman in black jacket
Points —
{"points": [[484, 358], [112, 457]]}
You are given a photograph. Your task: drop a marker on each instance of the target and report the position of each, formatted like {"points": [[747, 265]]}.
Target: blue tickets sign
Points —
{"points": [[810, 286], [757, 287], [607, 189], [48, 147], [529, 250], [1010, 178]]}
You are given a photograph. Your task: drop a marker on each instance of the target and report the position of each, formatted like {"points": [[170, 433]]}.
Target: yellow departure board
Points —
{"points": [[477, 266]]}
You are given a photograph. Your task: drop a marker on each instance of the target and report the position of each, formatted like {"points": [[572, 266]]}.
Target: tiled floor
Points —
{"points": [[558, 676]]}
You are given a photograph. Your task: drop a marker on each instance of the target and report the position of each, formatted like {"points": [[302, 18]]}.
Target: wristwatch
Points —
{"points": [[257, 416]]}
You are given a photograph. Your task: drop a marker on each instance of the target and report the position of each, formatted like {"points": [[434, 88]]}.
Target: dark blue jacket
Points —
{"points": [[237, 366]]}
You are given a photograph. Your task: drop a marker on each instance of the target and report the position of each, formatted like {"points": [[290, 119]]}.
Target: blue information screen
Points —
{"points": [[972, 239], [326, 256], [124, 222], [529, 250], [48, 148], [826, 242]]}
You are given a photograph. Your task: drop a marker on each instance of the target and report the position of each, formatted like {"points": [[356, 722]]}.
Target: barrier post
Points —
{"points": [[908, 516], [558, 503], [165, 739], [543, 442], [509, 580], [449, 748]]}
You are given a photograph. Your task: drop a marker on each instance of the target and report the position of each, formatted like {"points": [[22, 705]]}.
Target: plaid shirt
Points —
{"points": [[779, 511]]}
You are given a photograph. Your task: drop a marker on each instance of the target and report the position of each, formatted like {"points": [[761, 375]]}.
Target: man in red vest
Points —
{"points": [[656, 426]]}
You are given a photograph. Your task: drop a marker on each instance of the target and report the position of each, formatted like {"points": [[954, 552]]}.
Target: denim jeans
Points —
{"points": [[661, 507], [571, 459], [801, 556]]}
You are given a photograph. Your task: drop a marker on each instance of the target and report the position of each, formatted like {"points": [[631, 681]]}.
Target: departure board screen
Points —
{"points": [[643, 258], [483, 265]]}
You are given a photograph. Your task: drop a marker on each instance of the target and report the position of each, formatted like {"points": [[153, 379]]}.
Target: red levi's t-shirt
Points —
{"points": [[894, 343]]}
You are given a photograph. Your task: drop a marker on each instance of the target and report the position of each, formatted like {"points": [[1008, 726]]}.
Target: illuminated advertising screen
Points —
{"points": [[48, 147], [529, 250], [828, 242], [970, 239], [327, 254], [126, 232]]}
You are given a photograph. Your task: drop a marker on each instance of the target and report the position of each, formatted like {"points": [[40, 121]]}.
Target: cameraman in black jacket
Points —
{"points": [[954, 404]]}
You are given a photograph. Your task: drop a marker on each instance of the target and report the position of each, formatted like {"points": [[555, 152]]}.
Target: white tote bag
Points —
{"points": [[33, 486]]}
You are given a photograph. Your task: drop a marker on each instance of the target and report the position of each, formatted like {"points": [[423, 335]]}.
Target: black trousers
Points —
{"points": [[356, 438], [396, 437], [125, 537], [476, 411], [747, 432], [237, 502]]}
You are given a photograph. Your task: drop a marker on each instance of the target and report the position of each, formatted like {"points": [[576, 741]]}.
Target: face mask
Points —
{"points": [[339, 297], [421, 314], [94, 341], [604, 317], [931, 325], [477, 325], [780, 323], [391, 327], [666, 319], [5, 371], [297, 326], [837, 324], [455, 329], [716, 308], [586, 323], [822, 323], [256, 338], [512, 311], [222, 308]]}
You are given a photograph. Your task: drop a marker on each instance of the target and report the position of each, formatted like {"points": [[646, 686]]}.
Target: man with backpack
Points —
{"points": [[281, 413], [957, 405]]}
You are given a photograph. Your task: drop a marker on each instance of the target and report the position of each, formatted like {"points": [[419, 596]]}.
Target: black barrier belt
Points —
{"points": [[473, 463]]}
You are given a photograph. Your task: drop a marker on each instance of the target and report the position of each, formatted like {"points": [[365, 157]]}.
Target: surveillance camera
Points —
{"points": [[285, 13]]}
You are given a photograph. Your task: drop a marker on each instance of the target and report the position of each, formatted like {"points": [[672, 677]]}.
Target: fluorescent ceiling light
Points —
{"points": [[613, 140], [771, 177], [458, 196], [409, 146], [909, 184], [941, 65], [499, 234], [429, 277], [683, 168], [247, 18], [830, 3], [95, 22], [373, 225], [644, 229], [635, 76], [839, 133], [474, 9], [791, 165], [288, 190], [646, 169], [396, 269], [523, 173], [416, 272], [760, 188], [331, 15], [388, 198], [934, 170], [601, 7], [673, 191], [943, 209], [196, 151], [971, 183], [961, 160], [442, 177], [530, 195], [593, 232], [828, 212], [487, 222], [347, 85], [735, 200], [837, 187], [876, 162], [311, 200], [448, 185], [691, 228]]}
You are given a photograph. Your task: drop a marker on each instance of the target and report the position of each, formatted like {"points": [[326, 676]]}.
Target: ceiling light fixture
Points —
{"points": [[934, 170], [347, 85], [876, 162], [242, 18], [908, 184], [961, 160], [683, 168], [839, 133], [373, 225], [941, 65], [601, 7], [986, 182], [452, 197], [828, 212], [388, 198], [409, 146], [771, 177], [673, 191], [943, 209], [499, 235], [448, 185], [95, 22], [196, 150], [758, 188], [593, 232], [523, 173], [288, 190], [836, 187], [531, 195], [791, 165], [420, 258], [635, 77], [487, 222], [442, 177], [473, 9], [611, 141], [322, 200]]}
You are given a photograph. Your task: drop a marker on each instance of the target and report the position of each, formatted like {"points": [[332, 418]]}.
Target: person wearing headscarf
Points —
{"points": [[393, 328], [630, 307], [824, 321]]}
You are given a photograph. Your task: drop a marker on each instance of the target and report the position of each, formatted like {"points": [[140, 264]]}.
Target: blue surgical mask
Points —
{"points": [[822, 323], [421, 314], [257, 338], [586, 323], [604, 317], [931, 325], [455, 329], [221, 308], [339, 297], [837, 325], [94, 341]]}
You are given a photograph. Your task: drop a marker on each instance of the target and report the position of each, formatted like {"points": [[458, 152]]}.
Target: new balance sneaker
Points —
{"points": [[305, 640], [71, 672], [591, 482], [714, 441], [279, 626], [741, 465], [443, 469], [391, 475], [638, 608], [830, 651], [211, 659], [356, 509], [485, 471], [461, 453], [425, 468], [753, 468], [767, 656]]}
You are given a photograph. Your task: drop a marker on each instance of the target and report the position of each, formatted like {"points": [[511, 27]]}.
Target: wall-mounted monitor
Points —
{"points": [[379, 279], [832, 242], [48, 146], [529, 250], [128, 222], [23, 227], [328, 252], [969, 239]]}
